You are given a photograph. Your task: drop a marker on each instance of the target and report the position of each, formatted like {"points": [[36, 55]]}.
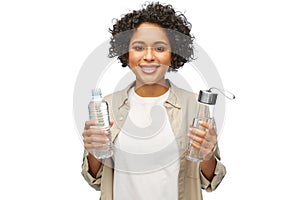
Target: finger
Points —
{"points": [[92, 131], [195, 145], [204, 124], [93, 146], [95, 131], [96, 139], [85, 133], [88, 124], [198, 132], [195, 138]]}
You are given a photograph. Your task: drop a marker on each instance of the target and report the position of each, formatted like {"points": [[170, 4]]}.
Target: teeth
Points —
{"points": [[148, 69]]}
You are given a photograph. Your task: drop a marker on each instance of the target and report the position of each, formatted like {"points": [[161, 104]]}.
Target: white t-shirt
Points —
{"points": [[146, 153]]}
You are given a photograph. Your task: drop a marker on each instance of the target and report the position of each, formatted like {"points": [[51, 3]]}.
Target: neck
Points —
{"points": [[153, 90]]}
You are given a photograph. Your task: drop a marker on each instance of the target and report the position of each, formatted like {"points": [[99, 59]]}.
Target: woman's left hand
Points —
{"points": [[204, 141]]}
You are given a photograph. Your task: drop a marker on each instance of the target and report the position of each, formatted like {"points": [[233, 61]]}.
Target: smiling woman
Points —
{"points": [[151, 117], [173, 22], [149, 58]]}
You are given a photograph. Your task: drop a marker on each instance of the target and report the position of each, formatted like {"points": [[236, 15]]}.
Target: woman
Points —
{"points": [[151, 117]]}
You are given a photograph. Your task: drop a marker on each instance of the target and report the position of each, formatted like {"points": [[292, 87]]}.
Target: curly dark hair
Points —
{"points": [[175, 24]]}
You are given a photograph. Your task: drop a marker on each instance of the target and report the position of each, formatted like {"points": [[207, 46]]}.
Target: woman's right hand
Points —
{"points": [[94, 138]]}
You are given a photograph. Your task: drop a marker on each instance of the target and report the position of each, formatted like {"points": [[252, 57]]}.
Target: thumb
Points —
{"points": [[111, 123]]}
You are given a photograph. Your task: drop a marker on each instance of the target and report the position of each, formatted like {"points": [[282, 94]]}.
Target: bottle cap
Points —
{"points": [[208, 97], [96, 92]]}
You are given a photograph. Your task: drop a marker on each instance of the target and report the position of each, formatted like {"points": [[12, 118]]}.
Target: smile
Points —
{"points": [[149, 69]]}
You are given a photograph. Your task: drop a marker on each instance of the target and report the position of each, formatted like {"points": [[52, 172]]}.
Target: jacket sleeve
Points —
{"points": [[220, 172], [94, 182]]}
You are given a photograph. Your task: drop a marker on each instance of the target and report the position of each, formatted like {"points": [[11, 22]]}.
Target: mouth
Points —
{"points": [[149, 69]]}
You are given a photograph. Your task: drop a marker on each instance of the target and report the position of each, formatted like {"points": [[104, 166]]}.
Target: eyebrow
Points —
{"points": [[155, 43]]}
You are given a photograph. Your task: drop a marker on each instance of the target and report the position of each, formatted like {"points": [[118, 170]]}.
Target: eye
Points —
{"points": [[160, 49], [138, 48]]}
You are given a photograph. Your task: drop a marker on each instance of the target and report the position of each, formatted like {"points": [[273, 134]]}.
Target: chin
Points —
{"points": [[151, 82]]}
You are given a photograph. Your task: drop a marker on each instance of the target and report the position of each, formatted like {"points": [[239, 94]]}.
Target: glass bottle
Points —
{"points": [[205, 113]]}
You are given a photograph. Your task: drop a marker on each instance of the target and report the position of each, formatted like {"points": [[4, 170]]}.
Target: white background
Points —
{"points": [[254, 44]]}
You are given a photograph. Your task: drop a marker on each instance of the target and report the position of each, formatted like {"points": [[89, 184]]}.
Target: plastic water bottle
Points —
{"points": [[98, 111]]}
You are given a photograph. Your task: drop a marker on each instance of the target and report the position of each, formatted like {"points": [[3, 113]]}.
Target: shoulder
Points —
{"points": [[119, 96], [116, 95], [182, 94]]}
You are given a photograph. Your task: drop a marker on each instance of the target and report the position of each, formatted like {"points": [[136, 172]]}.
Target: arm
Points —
{"points": [[205, 142], [90, 174], [212, 171], [94, 164], [208, 168], [92, 167], [211, 183]]}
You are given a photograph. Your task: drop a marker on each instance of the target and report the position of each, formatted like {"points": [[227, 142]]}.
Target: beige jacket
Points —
{"points": [[181, 107]]}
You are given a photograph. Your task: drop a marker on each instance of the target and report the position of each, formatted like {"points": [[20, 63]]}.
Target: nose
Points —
{"points": [[149, 54]]}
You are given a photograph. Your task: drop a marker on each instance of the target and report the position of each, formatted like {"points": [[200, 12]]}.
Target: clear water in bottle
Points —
{"points": [[206, 104], [98, 111]]}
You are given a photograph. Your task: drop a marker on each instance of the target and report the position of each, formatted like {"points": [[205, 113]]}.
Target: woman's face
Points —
{"points": [[149, 54]]}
